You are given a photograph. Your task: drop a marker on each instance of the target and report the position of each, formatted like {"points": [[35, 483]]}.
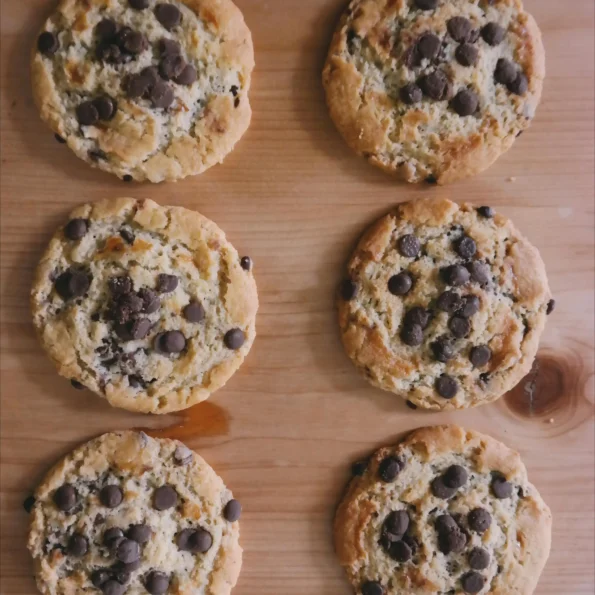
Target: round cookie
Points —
{"points": [[446, 511], [145, 89], [126, 513], [434, 90], [148, 306], [444, 304]]}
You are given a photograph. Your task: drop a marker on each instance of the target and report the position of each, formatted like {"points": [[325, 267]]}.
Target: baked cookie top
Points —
{"points": [[126, 513], [148, 306], [145, 89], [444, 304], [434, 90], [447, 511]]}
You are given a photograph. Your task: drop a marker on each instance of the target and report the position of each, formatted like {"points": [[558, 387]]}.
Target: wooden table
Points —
{"points": [[284, 430]]}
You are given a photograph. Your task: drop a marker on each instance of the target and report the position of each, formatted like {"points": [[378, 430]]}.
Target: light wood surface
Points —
{"points": [[284, 430]]}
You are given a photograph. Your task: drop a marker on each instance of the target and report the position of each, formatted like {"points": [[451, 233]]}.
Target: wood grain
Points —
{"points": [[295, 199]]}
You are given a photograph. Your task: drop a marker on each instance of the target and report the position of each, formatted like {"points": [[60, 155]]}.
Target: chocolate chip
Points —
{"points": [[466, 247], [456, 275], [480, 356], [478, 558], [183, 539], [86, 113], [78, 546], [435, 85], [486, 212], [61, 140], [459, 28], [170, 342], [465, 102], [76, 228], [171, 66], [359, 467], [409, 246], [200, 541], [411, 405], [431, 180], [106, 107], [194, 312], [135, 381], [111, 496], [169, 47], [520, 84], [410, 94], [479, 272], [47, 43], [161, 95], [72, 284], [445, 523], [183, 455], [121, 575], [168, 15], [65, 497], [493, 34], [412, 335], [106, 29], [164, 497], [127, 178], [113, 587], [428, 46], [455, 476], [470, 307], [110, 52], [373, 587], [551, 306], [187, 77], [140, 328], [479, 520], [419, 316], [451, 541], [136, 85], [449, 301], [442, 350], [390, 467], [77, 385], [426, 4], [29, 503], [150, 300], [467, 54], [127, 236], [139, 4], [400, 551], [234, 338], [459, 326], [246, 263], [166, 283], [232, 511], [505, 71], [112, 536], [127, 551], [97, 155], [502, 489], [400, 284], [446, 386], [156, 582], [396, 524], [472, 582], [100, 577], [348, 290]]}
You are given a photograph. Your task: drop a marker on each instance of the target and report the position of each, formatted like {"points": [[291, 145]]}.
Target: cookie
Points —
{"points": [[446, 511], [126, 513], [148, 306], [444, 304], [434, 90], [145, 89]]}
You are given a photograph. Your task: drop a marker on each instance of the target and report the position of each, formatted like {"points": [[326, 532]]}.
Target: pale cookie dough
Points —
{"points": [[126, 513], [148, 306], [444, 304], [446, 512], [145, 89], [434, 90]]}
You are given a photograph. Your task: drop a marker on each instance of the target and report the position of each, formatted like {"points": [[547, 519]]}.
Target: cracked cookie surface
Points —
{"points": [[444, 304], [445, 512], [145, 89], [434, 90], [126, 513], [148, 306]]}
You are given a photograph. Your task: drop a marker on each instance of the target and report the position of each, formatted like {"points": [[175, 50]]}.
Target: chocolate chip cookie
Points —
{"points": [[145, 89], [148, 306], [126, 513], [444, 304], [434, 90], [446, 511]]}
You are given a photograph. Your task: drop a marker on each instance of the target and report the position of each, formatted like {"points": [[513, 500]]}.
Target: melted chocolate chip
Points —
{"points": [[87, 114], [442, 350], [111, 496], [467, 54], [169, 47], [100, 577], [76, 228], [449, 301], [459, 28], [456, 275], [410, 94], [465, 102], [520, 84], [396, 524], [493, 34], [112, 536], [106, 28], [551, 306], [48, 44], [400, 284], [106, 107], [164, 497], [426, 4], [72, 284], [161, 94], [460, 327], [472, 582], [150, 300], [471, 306], [127, 551], [440, 490], [372, 587], [400, 551], [113, 587], [168, 15], [119, 286], [479, 520], [479, 272], [348, 290], [166, 283], [171, 66], [412, 335], [390, 467], [138, 4], [200, 541], [480, 356], [435, 85], [451, 541], [232, 511], [78, 546], [486, 212], [505, 71], [455, 476], [170, 342], [157, 583], [419, 316], [479, 559], [502, 489], [187, 77], [29, 503], [65, 497], [234, 339], [194, 312], [428, 46], [446, 386], [409, 246]]}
